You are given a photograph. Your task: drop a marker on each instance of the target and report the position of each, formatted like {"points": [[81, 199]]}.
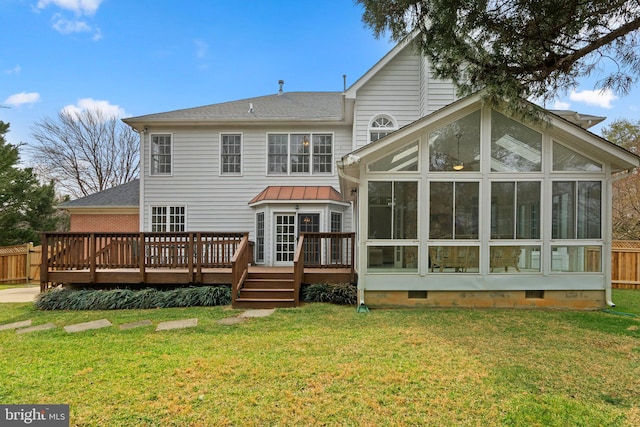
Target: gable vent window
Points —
{"points": [[381, 126]]}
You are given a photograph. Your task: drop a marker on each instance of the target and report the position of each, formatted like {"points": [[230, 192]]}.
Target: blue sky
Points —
{"points": [[134, 57]]}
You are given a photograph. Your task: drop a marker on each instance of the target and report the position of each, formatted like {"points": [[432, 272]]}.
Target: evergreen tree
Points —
{"points": [[518, 48], [26, 206]]}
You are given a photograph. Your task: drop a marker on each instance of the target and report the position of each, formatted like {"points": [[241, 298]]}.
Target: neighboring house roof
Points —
{"points": [[287, 106], [121, 196], [297, 193], [585, 121]]}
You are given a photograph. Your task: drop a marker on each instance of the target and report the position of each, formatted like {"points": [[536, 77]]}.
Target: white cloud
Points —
{"points": [[599, 98], [22, 98], [201, 48], [80, 7], [14, 70], [65, 26], [560, 105], [105, 107]]}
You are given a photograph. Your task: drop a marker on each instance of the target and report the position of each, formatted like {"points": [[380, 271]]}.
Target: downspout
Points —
{"points": [[609, 239], [362, 307]]}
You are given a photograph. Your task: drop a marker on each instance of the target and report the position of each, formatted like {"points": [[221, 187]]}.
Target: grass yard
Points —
{"points": [[328, 365]]}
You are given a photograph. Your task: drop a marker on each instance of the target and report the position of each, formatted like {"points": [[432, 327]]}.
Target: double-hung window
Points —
{"points": [[167, 218], [161, 154], [299, 153], [230, 154]]}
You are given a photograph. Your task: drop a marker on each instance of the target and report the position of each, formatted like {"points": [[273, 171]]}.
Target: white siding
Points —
{"points": [[220, 203], [435, 93], [403, 89], [394, 91]]}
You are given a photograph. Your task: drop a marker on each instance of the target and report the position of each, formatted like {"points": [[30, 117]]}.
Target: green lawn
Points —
{"points": [[328, 365]]}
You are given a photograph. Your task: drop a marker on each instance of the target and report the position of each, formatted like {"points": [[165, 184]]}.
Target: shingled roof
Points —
{"points": [[285, 106], [121, 196]]}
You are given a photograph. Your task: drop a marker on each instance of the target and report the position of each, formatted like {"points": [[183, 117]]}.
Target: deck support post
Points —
{"points": [[198, 254], [190, 255], [141, 257], [44, 264], [92, 259]]}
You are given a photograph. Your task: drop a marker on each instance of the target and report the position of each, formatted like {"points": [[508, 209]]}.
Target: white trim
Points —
{"points": [[311, 134], [233, 174], [168, 207], [151, 174]]}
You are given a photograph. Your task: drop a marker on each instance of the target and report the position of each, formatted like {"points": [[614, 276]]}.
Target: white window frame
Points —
{"points": [[375, 125], [152, 170], [168, 215], [222, 154], [312, 156]]}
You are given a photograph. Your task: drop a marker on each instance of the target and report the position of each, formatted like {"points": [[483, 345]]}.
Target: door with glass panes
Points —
{"points": [[288, 227]]}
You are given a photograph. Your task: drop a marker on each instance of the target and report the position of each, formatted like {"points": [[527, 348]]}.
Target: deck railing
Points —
{"points": [[239, 268], [104, 251], [328, 250]]}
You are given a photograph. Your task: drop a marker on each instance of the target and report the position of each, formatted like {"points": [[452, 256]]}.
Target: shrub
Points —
{"points": [[334, 293], [116, 299]]}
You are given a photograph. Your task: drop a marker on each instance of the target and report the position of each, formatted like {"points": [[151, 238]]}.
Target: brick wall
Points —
{"points": [[105, 223]]}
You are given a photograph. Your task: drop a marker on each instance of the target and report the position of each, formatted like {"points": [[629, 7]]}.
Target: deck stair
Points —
{"points": [[267, 290]]}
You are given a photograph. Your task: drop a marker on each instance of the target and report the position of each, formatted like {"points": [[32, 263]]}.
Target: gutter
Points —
{"points": [[350, 160], [609, 241]]}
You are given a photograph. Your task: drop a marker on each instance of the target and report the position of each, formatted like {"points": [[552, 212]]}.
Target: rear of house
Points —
{"points": [[454, 202]]}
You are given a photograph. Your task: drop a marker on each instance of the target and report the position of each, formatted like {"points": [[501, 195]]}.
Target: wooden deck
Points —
{"points": [[189, 259]]}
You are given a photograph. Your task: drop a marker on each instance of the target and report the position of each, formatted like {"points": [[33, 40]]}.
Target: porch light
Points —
{"points": [[305, 141], [459, 165]]}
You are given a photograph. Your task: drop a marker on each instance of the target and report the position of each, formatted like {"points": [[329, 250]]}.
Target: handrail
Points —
{"points": [[239, 268], [298, 269]]}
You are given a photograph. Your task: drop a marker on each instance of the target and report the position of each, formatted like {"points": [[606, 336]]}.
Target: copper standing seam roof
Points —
{"points": [[298, 192]]}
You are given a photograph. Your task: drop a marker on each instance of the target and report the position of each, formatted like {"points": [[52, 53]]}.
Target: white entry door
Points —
{"points": [[285, 237]]}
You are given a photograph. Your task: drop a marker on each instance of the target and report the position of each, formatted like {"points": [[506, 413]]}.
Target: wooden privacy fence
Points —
{"points": [[625, 264], [20, 263]]}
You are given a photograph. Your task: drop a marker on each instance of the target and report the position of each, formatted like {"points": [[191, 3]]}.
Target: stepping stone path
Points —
{"points": [[176, 324], [79, 327], [25, 326], [37, 328], [133, 325], [15, 325]]}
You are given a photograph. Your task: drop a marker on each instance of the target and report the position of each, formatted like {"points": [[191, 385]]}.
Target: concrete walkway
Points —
{"points": [[19, 294]]}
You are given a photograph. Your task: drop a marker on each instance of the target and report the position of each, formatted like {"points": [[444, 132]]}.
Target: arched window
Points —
{"points": [[380, 126]]}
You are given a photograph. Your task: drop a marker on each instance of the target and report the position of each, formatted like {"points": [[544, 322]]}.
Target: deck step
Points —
{"points": [[264, 303], [259, 283], [269, 293], [271, 275], [267, 290]]}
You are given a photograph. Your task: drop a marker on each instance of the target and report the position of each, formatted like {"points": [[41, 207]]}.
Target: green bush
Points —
{"points": [[117, 299], [334, 293]]}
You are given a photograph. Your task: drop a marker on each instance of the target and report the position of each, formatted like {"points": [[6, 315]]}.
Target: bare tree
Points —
{"points": [[626, 192], [85, 152]]}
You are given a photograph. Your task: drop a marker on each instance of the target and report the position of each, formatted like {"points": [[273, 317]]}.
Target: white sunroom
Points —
{"points": [[469, 206]]}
